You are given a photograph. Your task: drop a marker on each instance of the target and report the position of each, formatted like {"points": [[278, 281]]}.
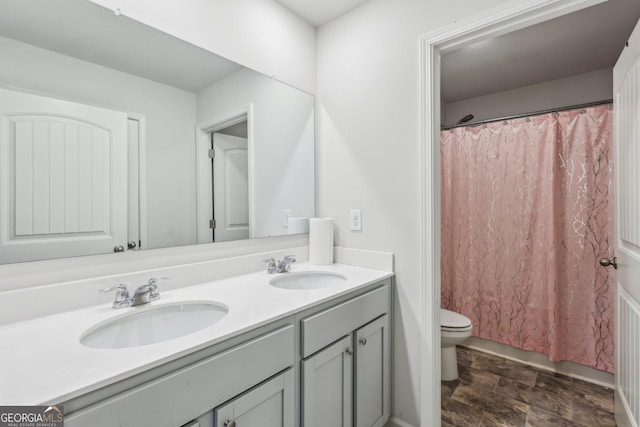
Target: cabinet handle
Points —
{"points": [[229, 423], [349, 351], [118, 248], [363, 341]]}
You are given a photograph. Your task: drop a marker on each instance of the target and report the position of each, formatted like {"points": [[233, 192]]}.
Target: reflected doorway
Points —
{"points": [[230, 183], [224, 177]]}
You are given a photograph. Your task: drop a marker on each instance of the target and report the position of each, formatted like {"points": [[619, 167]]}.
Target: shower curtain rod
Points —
{"points": [[535, 113]]}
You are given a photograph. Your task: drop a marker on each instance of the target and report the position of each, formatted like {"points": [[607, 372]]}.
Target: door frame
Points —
{"points": [[143, 232], [507, 17], [204, 190]]}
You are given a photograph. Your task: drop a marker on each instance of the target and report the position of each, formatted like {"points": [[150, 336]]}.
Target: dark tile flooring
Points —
{"points": [[492, 391]]}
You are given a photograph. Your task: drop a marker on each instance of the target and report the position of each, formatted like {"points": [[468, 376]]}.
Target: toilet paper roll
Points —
{"points": [[321, 241], [298, 225]]}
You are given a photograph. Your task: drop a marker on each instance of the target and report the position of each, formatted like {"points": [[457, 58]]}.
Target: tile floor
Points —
{"points": [[492, 391]]}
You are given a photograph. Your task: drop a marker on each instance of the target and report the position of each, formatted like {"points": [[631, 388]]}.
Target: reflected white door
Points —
{"points": [[63, 178], [230, 188], [626, 87]]}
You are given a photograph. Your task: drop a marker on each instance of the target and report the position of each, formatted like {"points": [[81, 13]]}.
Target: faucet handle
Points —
{"points": [[271, 265], [122, 295], [155, 280], [121, 290], [290, 258]]}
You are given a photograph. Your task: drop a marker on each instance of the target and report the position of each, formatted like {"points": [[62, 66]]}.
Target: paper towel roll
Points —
{"points": [[321, 241], [298, 225]]}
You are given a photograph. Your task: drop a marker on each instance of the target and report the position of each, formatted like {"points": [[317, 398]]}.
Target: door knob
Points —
{"points": [[132, 245], [229, 423], [349, 351], [118, 248], [363, 341], [606, 262]]}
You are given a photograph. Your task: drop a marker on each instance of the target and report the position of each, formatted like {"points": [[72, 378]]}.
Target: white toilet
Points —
{"points": [[454, 329]]}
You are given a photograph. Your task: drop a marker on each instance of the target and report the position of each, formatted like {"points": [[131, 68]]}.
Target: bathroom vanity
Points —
{"points": [[302, 354]]}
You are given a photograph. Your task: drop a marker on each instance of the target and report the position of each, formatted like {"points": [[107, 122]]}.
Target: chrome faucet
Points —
{"points": [[146, 293], [142, 295], [282, 266]]}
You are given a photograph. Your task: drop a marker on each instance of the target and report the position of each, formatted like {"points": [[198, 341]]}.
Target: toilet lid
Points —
{"points": [[450, 319]]}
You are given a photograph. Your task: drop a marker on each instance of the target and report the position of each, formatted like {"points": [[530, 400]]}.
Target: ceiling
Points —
{"points": [[86, 31], [319, 12], [584, 41], [588, 40]]}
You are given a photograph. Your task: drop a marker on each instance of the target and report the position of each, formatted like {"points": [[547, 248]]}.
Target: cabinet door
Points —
{"points": [[270, 404], [327, 383], [372, 374]]}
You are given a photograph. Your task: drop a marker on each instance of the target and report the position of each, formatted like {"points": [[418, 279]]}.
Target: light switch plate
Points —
{"points": [[287, 215], [355, 220]]}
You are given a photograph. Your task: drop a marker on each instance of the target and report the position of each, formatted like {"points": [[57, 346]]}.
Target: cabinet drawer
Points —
{"points": [[320, 330], [174, 399]]}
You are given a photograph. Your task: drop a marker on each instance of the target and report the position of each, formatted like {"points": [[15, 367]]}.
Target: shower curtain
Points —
{"points": [[527, 212]]}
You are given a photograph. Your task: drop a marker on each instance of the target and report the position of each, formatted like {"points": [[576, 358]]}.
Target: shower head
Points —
{"points": [[465, 119]]}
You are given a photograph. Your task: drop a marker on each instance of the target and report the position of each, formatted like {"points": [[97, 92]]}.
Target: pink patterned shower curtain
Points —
{"points": [[527, 212]]}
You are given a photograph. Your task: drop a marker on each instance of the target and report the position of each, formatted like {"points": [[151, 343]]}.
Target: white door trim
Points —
{"points": [[143, 233], [510, 16], [204, 190]]}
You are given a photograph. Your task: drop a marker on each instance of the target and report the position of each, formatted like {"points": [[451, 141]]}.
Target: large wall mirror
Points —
{"points": [[115, 136]]}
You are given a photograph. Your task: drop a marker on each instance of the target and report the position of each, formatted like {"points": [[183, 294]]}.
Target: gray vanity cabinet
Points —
{"points": [[270, 404], [325, 366], [347, 382], [175, 398]]}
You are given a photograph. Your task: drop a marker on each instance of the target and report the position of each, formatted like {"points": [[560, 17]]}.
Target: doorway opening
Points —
{"points": [[504, 19], [230, 183], [224, 176]]}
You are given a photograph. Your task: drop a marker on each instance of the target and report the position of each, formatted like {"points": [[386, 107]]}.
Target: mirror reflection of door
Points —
{"points": [[230, 174], [63, 178]]}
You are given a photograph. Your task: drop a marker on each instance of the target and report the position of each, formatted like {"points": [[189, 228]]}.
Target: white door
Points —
{"points": [[63, 178], [626, 85], [230, 188]]}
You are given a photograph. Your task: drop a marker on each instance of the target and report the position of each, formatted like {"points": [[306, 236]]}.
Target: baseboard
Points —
{"points": [[396, 422], [541, 361]]}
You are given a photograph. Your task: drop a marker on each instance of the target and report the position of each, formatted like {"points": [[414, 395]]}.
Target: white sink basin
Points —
{"points": [[151, 325], [305, 280]]}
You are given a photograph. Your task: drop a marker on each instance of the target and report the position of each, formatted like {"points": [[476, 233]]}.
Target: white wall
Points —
{"points": [[282, 129], [368, 112], [259, 34], [170, 115], [580, 89]]}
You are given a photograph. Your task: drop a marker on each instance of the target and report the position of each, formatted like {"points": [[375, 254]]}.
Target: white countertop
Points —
{"points": [[42, 361]]}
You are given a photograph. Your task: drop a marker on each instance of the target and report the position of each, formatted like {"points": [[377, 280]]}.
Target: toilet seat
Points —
{"points": [[454, 322]]}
